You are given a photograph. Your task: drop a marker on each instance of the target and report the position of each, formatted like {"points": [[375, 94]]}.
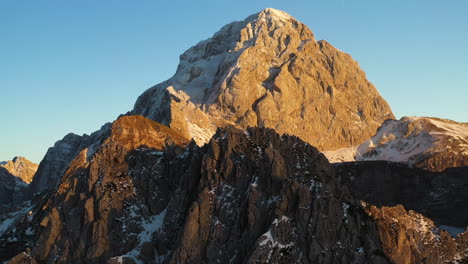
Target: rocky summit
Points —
{"points": [[222, 164], [15, 175], [268, 70], [21, 168]]}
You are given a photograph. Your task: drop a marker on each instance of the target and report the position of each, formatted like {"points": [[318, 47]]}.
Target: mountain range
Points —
{"points": [[228, 161]]}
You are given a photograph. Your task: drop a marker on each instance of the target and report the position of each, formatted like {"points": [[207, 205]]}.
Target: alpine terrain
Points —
{"points": [[15, 175], [21, 168], [426, 142], [222, 163]]}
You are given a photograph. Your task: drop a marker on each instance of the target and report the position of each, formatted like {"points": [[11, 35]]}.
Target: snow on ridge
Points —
{"points": [[405, 140], [199, 65], [457, 130], [276, 14], [204, 72]]}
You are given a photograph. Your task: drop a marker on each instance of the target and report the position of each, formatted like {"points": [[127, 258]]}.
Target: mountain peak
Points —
{"points": [[275, 14], [269, 71], [21, 168]]}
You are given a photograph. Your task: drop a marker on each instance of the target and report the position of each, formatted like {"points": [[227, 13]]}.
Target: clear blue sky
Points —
{"points": [[70, 66]]}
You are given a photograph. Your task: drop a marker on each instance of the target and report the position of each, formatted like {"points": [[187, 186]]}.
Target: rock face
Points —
{"points": [[437, 195], [14, 178], [265, 198], [21, 168], [268, 70], [78, 219], [59, 157], [137, 191], [11, 190], [409, 237], [147, 195], [430, 143]]}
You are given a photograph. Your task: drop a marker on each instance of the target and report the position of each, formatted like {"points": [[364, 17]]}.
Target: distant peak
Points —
{"points": [[17, 160], [21, 168]]}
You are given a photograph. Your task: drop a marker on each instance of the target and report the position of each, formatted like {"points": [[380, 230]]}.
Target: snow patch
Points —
{"points": [[360, 251], [12, 218], [341, 155], [345, 208], [201, 135], [149, 227], [272, 200], [406, 140]]}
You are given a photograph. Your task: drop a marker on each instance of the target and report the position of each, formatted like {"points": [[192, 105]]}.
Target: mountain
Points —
{"points": [[268, 70], [430, 143], [147, 195], [15, 175], [21, 168], [140, 190]]}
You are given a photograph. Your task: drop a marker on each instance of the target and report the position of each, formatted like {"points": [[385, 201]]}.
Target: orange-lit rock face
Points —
{"points": [[136, 131], [137, 192], [21, 168], [268, 70], [96, 186]]}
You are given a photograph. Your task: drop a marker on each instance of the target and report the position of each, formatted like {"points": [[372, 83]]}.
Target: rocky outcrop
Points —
{"points": [[409, 237], [265, 198], [430, 143], [268, 70], [147, 196], [79, 221], [59, 157], [21, 168], [14, 178], [437, 195]]}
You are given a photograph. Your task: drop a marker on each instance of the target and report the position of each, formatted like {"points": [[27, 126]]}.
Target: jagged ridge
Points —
{"points": [[147, 196]]}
